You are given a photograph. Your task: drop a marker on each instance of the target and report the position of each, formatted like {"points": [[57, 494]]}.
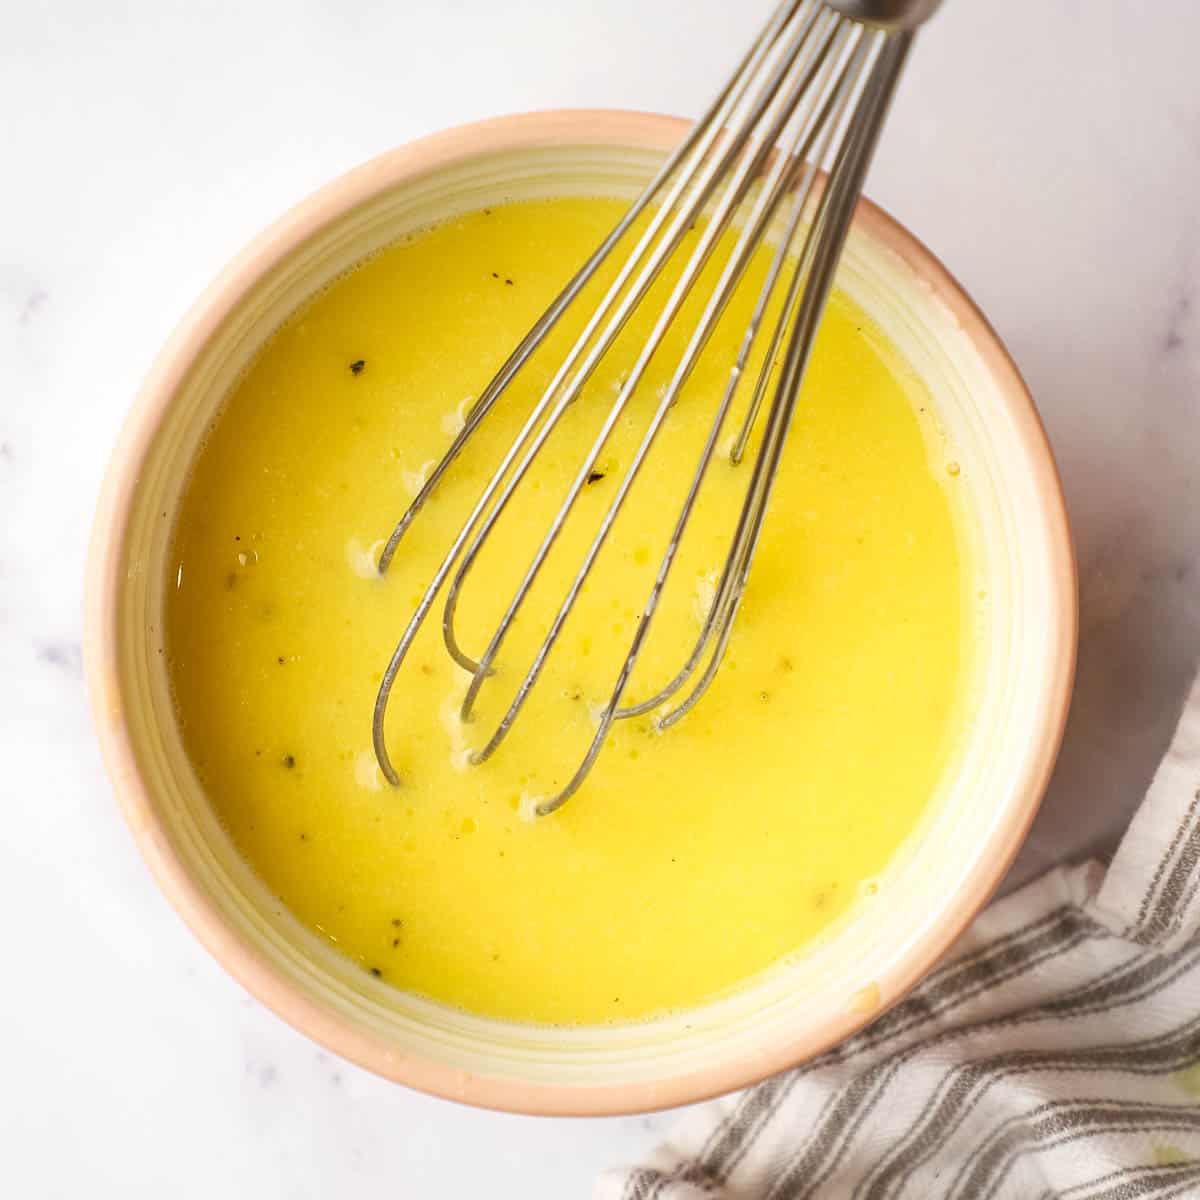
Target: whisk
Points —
{"points": [[813, 89]]}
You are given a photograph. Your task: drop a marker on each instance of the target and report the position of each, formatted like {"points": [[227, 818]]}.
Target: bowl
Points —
{"points": [[1020, 676]]}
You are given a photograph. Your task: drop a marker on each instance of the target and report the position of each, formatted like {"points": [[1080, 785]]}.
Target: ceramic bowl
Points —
{"points": [[1015, 522]]}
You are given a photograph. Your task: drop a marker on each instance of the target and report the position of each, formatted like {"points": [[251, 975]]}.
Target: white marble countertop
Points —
{"points": [[1048, 150]]}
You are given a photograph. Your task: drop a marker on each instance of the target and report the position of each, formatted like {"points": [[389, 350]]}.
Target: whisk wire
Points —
{"points": [[827, 121], [814, 83], [769, 198], [770, 101], [719, 616], [834, 103], [693, 147], [832, 223], [743, 176], [701, 134]]}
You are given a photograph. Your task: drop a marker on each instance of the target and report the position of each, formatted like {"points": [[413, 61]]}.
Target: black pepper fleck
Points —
{"points": [[289, 761], [356, 367], [395, 943], [508, 283], [279, 660], [595, 476], [377, 972]]}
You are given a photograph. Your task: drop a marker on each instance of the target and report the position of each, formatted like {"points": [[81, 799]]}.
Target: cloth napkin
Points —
{"points": [[1053, 1055]]}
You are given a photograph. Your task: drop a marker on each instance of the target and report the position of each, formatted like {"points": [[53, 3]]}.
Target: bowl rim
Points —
{"points": [[240, 957]]}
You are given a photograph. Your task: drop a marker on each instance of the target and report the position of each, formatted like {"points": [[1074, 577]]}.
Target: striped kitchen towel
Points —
{"points": [[1054, 1054]]}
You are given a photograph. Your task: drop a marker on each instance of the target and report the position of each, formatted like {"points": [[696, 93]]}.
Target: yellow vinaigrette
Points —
{"points": [[691, 859]]}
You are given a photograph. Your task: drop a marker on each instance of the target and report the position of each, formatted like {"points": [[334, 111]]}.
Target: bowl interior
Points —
{"points": [[1019, 592]]}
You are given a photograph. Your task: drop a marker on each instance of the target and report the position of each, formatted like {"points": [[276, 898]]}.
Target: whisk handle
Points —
{"points": [[889, 14]]}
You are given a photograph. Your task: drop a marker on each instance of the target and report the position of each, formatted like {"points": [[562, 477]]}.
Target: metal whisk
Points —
{"points": [[813, 89]]}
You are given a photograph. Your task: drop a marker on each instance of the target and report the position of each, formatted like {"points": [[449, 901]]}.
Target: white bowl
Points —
{"points": [[1019, 694]]}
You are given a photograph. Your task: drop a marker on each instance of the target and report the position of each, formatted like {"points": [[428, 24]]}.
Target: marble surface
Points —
{"points": [[1048, 150]]}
